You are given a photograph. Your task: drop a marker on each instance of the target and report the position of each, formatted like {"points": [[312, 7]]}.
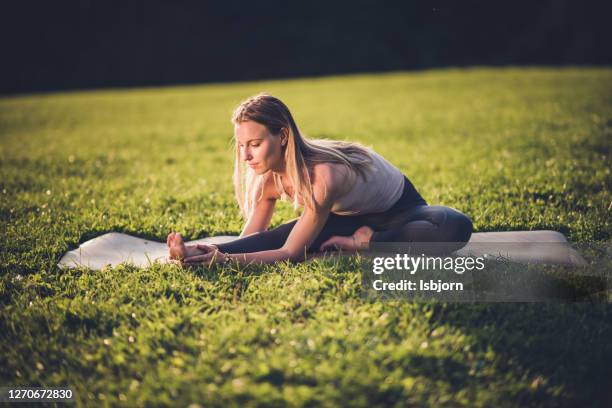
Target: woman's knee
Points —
{"points": [[453, 225], [458, 226]]}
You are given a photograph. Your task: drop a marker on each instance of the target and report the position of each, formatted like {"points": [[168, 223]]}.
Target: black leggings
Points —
{"points": [[421, 223]]}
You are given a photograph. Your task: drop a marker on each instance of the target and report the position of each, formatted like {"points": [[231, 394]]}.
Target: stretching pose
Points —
{"points": [[350, 195]]}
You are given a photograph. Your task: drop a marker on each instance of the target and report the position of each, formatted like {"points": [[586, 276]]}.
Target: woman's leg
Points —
{"points": [[261, 241], [431, 223], [276, 238]]}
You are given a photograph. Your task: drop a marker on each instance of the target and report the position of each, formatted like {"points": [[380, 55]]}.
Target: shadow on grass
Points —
{"points": [[568, 345]]}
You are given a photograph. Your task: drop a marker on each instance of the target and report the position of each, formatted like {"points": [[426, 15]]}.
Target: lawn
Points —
{"points": [[515, 149]]}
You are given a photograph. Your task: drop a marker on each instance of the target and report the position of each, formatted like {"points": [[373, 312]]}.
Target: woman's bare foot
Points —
{"points": [[178, 250], [360, 240]]}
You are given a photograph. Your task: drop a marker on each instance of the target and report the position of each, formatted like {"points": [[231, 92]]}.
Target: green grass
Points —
{"points": [[516, 149]]}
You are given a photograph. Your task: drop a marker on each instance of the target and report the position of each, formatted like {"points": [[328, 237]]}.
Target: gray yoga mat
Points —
{"points": [[116, 248]]}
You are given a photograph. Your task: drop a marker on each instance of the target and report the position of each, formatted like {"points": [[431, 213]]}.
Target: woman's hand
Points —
{"points": [[211, 255], [179, 251]]}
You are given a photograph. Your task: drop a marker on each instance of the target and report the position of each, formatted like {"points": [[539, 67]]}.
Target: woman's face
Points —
{"points": [[261, 150]]}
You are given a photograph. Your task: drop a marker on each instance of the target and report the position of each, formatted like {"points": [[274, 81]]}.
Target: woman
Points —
{"points": [[350, 195]]}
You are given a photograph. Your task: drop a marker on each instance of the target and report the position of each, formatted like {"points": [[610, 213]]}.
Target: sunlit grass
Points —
{"points": [[515, 149]]}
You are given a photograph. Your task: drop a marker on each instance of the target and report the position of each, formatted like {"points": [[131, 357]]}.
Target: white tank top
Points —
{"points": [[382, 188]]}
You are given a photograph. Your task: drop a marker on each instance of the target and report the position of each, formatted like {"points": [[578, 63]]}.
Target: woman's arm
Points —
{"points": [[261, 217], [264, 209], [303, 234]]}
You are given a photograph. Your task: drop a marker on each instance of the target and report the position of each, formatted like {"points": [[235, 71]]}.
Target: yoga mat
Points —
{"points": [[115, 248]]}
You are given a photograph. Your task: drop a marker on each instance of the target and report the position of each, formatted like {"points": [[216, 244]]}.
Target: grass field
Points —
{"points": [[516, 149]]}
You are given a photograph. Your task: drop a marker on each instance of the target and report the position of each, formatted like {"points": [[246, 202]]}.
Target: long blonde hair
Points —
{"points": [[300, 154]]}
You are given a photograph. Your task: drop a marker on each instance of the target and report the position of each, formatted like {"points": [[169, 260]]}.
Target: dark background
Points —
{"points": [[55, 44]]}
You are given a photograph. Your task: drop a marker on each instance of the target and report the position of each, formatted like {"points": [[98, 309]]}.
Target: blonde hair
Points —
{"points": [[300, 154]]}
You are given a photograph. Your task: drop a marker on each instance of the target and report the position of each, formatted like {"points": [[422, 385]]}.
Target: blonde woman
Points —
{"points": [[350, 195]]}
